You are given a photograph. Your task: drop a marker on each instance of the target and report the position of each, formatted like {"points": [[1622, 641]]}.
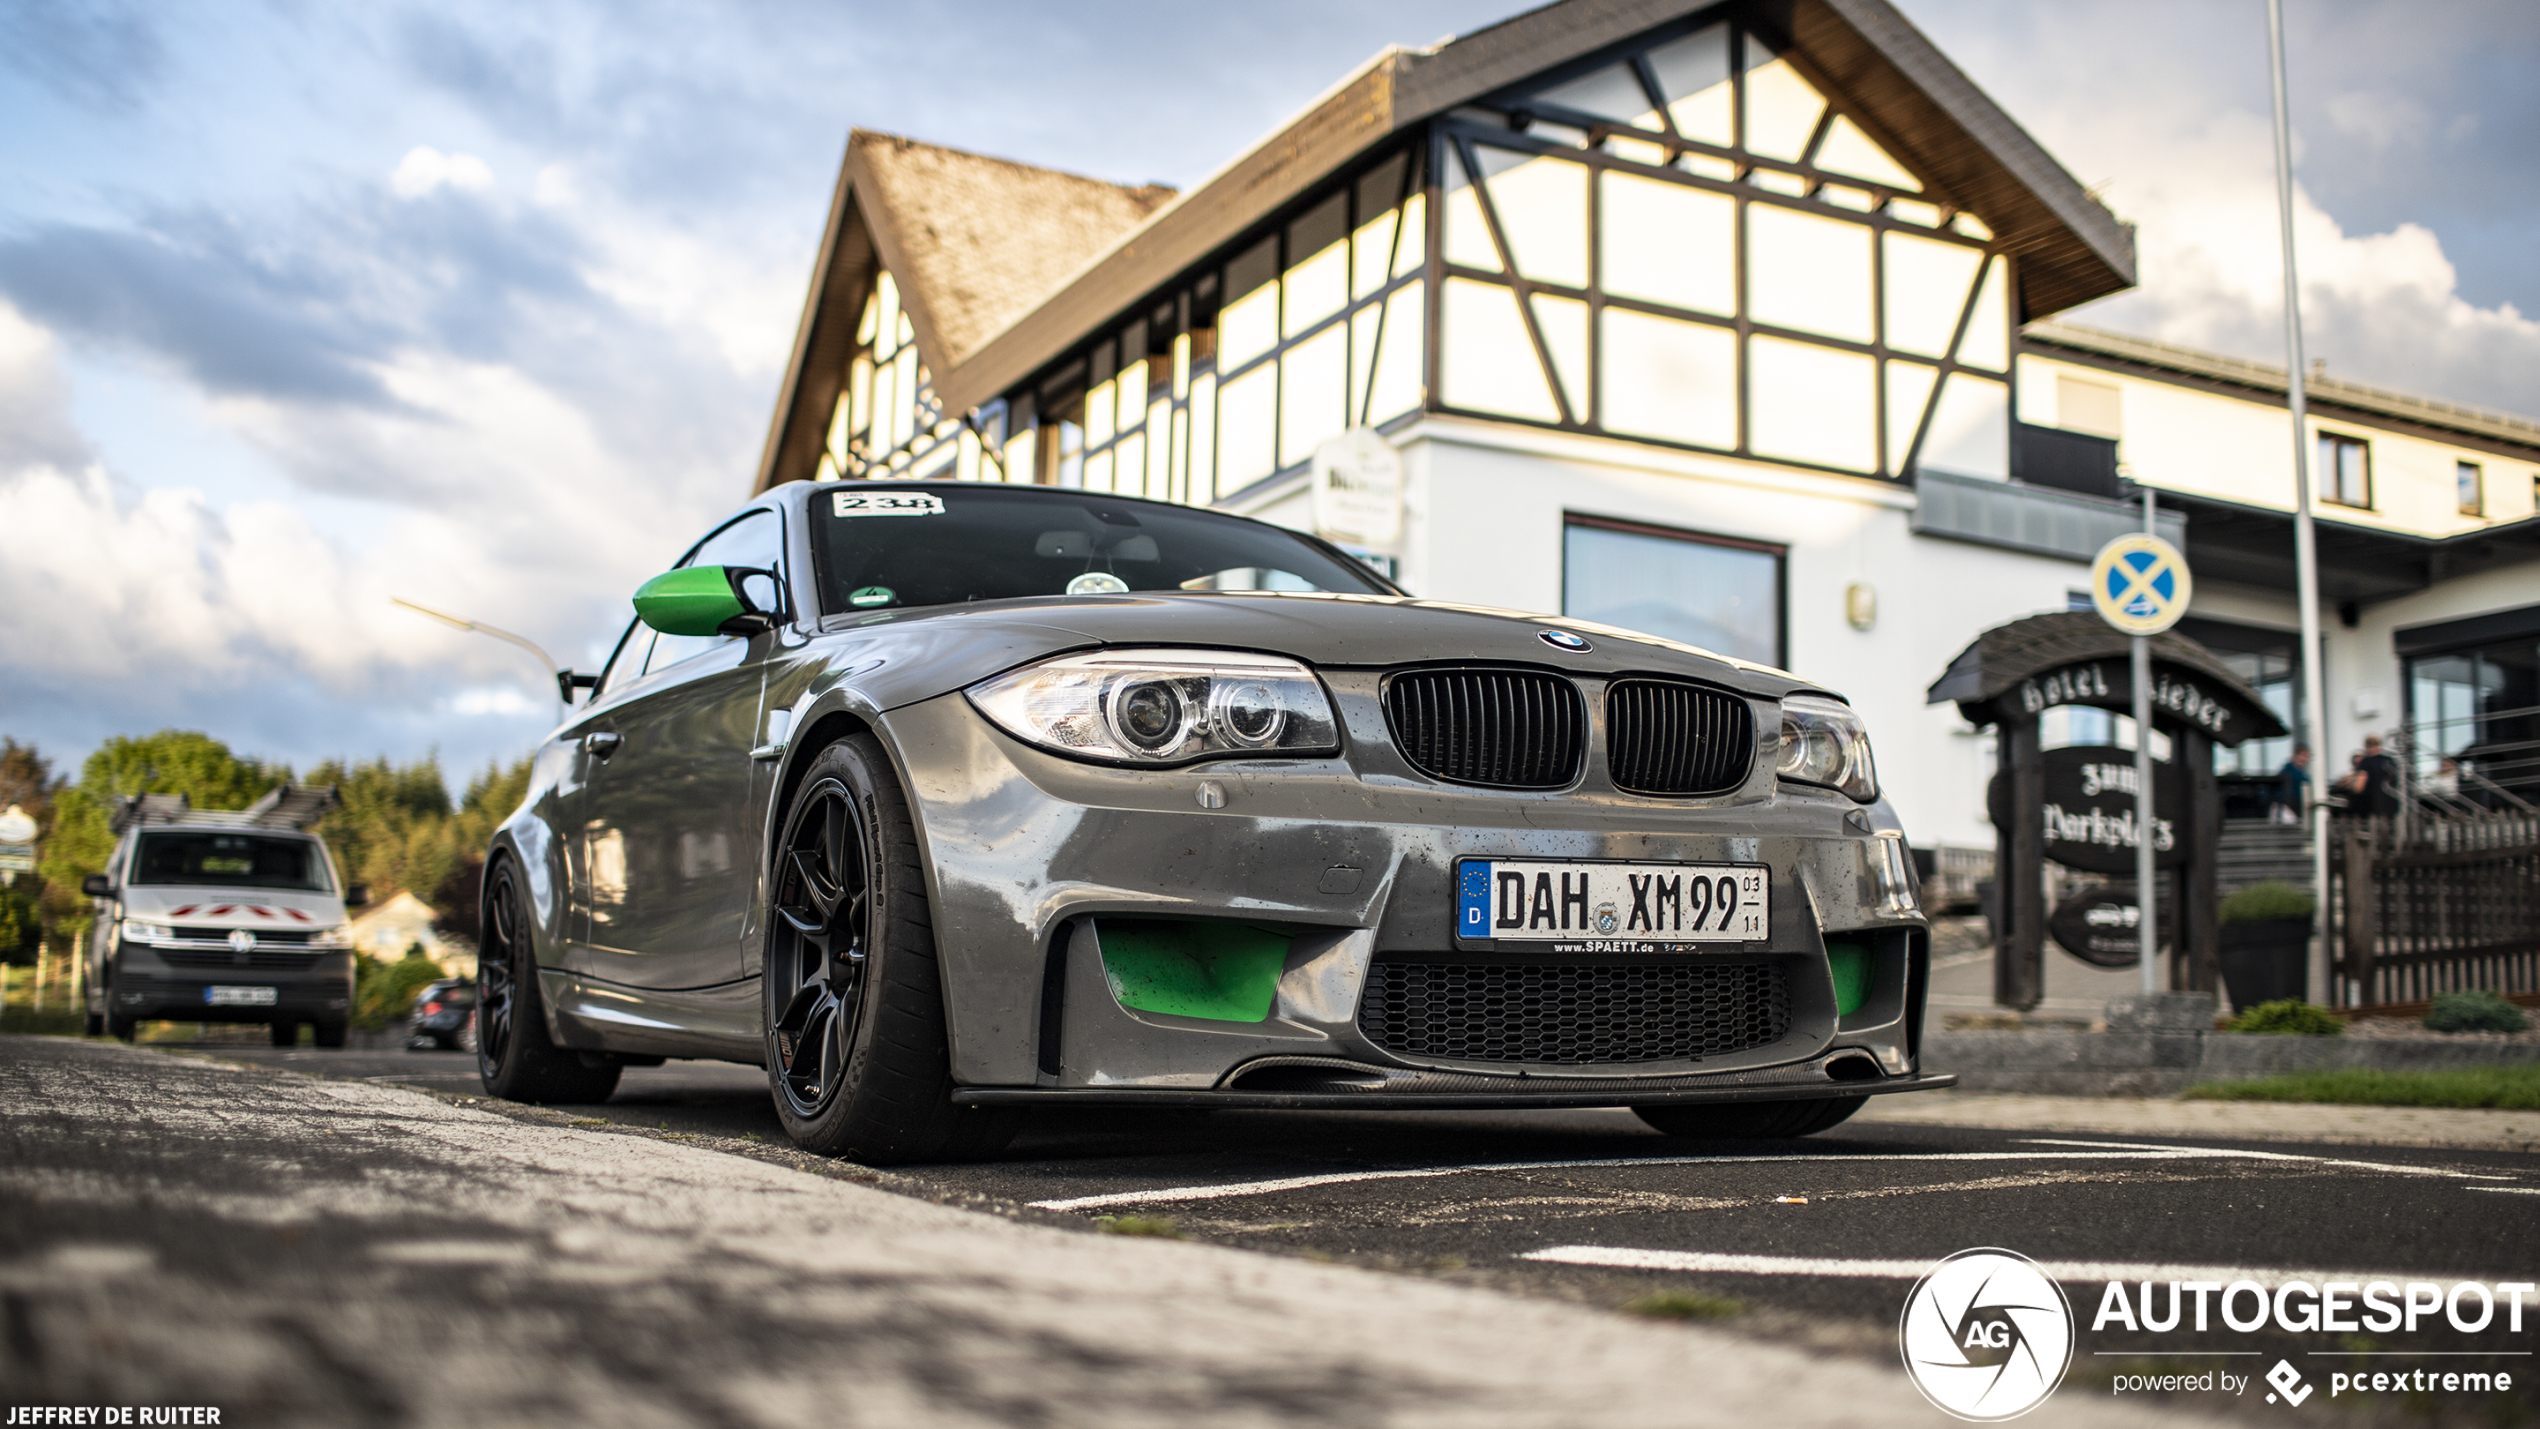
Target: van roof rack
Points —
{"points": [[284, 806]]}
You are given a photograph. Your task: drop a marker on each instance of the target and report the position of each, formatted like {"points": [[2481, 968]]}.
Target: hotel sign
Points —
{"points": [[2181, 695]]}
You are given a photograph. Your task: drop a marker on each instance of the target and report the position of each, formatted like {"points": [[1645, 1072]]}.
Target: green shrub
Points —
{"points": [[2266, 902], [2290, 1016], [2475, 1012], [384, 992], [2515, 1088]]}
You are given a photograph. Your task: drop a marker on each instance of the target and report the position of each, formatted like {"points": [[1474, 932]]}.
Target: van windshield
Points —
{"points": [[232, 860]]}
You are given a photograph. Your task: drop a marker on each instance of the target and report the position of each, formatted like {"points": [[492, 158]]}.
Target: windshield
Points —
{"points": [[227, 860], [888, 547]]}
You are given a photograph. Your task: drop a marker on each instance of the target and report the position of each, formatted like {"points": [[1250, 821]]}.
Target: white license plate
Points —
{"points": [[1612, 907], [238, 997]]}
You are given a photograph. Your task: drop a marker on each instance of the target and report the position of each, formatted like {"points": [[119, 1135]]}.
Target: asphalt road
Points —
{"points": [[181, 1233], [1811, 1242]]}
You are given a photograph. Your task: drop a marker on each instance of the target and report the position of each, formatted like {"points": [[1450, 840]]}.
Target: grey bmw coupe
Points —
{"points": [[943, 800]]}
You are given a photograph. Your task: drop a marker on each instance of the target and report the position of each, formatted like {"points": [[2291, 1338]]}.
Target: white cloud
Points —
{"points": [[2185, 150], [425, 168]]}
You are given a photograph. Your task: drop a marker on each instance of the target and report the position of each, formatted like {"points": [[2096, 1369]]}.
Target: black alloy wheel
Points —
{"points": [[1748, 1121], [819, 944], [515, 1058], [858, 1060]]}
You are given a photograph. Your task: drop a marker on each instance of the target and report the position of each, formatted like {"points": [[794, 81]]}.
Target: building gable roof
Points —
{"points": [[1914, 101], [973, 243]]}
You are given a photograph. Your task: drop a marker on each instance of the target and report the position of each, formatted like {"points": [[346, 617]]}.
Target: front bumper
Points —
{"points": [[148, 986], [1353, 857]]}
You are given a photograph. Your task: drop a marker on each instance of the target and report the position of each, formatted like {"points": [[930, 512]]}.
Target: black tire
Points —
{"points": [[286, 1034], [96, 1025], [858, 1061], [514, 1056], [122, 1028], [1748, 1121], [330, 1034]]}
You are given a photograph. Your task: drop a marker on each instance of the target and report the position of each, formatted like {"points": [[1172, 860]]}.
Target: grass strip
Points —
{"points": [[2514, 1088]]}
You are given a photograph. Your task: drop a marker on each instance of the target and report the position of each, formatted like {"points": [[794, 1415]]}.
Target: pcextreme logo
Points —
{"points": [[1987, 1335]]}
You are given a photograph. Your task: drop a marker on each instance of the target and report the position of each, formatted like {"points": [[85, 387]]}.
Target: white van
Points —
{"points": [[221, 916]]}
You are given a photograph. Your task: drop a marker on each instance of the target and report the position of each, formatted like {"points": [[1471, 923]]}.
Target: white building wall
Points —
{"points": [[2184, 438], [1484, 507]]}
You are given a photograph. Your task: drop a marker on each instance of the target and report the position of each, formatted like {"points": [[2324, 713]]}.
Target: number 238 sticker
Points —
{"points": [[886, 503]]}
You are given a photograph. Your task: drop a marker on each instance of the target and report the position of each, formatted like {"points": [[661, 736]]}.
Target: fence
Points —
{"points": [[2421, 905]]}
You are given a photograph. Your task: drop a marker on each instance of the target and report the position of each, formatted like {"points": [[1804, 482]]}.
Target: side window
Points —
{"points": [[626, 661], [756, 541]]}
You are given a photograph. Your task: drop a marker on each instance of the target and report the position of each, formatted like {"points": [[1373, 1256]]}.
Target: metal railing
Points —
{"points": [[2495, 759]]}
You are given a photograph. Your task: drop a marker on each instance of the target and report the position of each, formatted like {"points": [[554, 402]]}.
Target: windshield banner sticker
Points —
{"points": [[886, 503]]}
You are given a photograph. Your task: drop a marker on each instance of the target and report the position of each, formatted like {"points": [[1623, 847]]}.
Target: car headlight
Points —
{"points": [[136, 931], [1824, 742], [338, 936], [1162, 706]]}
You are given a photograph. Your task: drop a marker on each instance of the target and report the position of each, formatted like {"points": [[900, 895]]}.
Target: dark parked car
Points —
{"points": [[939, 800], [443, 1016]]}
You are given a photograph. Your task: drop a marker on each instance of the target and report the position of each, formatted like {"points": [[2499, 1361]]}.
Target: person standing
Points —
{"points": [[2292, 788], [2377, 791]]}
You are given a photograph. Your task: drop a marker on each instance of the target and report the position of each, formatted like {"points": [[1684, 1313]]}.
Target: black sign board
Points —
{"points": [[2076, 806], [2089, 814], [2097, 925]]}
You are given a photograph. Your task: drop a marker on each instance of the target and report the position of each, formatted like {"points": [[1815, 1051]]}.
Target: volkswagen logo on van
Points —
{"points": [[241, 942]]}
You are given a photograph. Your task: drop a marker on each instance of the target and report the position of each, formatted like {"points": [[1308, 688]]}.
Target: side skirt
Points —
{"points": [[721, 1022]]}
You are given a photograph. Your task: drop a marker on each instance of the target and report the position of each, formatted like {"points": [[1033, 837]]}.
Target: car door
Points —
{"points": [[669, 822]]}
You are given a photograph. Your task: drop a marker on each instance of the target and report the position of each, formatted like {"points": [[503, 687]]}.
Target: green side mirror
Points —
{"points": [[700, 600]]}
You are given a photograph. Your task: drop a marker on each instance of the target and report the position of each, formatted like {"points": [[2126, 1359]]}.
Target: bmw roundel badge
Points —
{"points": [[1564, 640]]}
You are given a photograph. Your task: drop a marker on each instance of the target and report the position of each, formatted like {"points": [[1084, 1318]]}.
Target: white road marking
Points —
{"points": [[2507, 1190], [1338, 1178], [1633, 1258], [2393, 1168]]}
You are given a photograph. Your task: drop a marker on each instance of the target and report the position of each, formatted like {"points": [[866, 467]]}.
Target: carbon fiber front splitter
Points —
{"points": [[1464, 1091]]}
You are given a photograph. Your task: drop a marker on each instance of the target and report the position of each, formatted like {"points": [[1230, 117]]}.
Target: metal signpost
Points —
{"points": [[2140, 586]]}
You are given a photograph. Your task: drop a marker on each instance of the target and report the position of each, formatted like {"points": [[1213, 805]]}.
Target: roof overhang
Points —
{"points": [[2253, 546]]}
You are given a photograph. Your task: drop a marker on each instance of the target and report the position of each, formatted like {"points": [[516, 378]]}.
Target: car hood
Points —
{"points": [[231, 907], [899, 657]]}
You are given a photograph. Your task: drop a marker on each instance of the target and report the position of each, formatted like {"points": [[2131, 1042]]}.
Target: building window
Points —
{"points": [[1722, 594], [2473, 487], [2345, 471], [2474, 720], [887, 422], [2092, 407], [1239, 370], [1695, 244]]}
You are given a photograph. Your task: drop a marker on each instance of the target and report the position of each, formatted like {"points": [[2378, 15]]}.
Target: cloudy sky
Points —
{"points": [[485, 304]]}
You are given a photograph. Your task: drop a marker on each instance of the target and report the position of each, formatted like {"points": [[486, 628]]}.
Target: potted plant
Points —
{"points": [[2266, 937]]}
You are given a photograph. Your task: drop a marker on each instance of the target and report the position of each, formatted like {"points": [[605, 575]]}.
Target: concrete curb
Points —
{"points": [[2237, 1121], [2052, 1061]]}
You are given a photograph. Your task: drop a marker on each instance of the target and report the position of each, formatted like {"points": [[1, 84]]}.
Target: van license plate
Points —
{"points": [[1612, 907], [238, 997]]}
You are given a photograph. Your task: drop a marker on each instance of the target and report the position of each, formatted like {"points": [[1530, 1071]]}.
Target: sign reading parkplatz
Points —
{"points": [[2140, 584]]}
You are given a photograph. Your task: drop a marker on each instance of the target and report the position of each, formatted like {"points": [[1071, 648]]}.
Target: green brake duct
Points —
{"points": [[1850, 964], [1200, 967]]}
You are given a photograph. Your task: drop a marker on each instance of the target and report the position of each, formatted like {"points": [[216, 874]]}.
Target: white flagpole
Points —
{"points": [[2306, 579]]}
